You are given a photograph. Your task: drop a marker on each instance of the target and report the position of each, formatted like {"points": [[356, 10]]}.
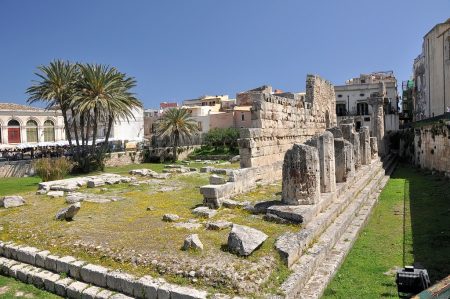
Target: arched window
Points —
{"points": [[49, 131], [32, 131], [13, 131]]}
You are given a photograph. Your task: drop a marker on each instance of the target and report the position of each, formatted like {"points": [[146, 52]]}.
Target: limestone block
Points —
{"points": [[343, 152], [61, 286], [39, 278], [336, 131], [243, 240], [146, 287], [192, 242], [11, 201], [373, 147], [180, 292], [216, 180], [62, 264], [49, 281], [325, 146], [301, 176], [353, 137], [95, 183], [364, 142], [54, 194], [164, 291], [50, 262], [13, 270], [90, 292], [120, 296], [75, 268], [75, 290], [204, 212], [94, 274], [22, 273], [40, 258], [104, 294], [121, 282], [27, 255]]}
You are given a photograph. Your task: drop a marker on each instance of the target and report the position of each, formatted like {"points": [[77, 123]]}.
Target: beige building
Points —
{"points": [[352, 99], [27, 124], [432, 74]]}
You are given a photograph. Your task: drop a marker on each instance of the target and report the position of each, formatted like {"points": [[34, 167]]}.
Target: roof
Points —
{"points": [[18, 107]]}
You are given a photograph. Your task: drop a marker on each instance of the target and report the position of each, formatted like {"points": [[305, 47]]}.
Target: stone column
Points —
{"points": [[364, 141], [373, 147], [301, 176], [378, 121], [343, 155], [325, 146], [353, 137]]}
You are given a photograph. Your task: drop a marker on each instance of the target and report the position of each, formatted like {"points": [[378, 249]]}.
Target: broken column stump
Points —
{"points": [[343, 155], [301, 176], [364, 141], [325, 146]]}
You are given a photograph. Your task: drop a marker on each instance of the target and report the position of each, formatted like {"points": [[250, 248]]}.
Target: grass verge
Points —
{"points": [[369, 269]]}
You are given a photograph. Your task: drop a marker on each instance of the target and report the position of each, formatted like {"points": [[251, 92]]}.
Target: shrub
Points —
{"points": [[225, 138], [49, 169]]}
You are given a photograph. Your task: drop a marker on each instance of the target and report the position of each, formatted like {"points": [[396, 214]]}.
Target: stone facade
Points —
{"points": [[278, 121], [301, 176]]}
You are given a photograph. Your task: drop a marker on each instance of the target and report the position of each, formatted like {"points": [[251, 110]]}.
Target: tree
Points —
{"points": [[102, 95], [91, 94], [177, 124], [56, 88]]}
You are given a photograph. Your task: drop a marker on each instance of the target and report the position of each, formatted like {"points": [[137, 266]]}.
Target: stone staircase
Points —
{"points": [[316, 252]]}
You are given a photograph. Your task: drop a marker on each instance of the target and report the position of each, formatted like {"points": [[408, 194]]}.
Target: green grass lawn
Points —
{"points": [[11, 288], [369, 269]]}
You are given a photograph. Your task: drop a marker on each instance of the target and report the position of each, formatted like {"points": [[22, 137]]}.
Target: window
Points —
{"points": [[362, 109], [339, 96], [363, 81], [361, 94], [242, 116], [341, 110], [366, 118], [32, 131], [49, 131]]}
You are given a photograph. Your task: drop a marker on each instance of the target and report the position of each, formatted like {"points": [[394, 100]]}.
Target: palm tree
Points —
{"points": [[103, 95], [177, 124], [56, 88]]}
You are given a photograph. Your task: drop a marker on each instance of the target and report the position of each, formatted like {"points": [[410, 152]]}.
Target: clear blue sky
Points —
{"points": [[183, 49]]}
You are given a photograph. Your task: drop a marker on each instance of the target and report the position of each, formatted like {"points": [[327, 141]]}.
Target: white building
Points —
{"points": [[352, 99], [432, 73], [27, 124], [122, 129]]}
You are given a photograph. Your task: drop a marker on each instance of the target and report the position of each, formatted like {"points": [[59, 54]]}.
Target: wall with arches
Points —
{"points": [[30, 126]]}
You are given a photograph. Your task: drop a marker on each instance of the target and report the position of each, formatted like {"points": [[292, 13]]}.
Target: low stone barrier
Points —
{"points": [[78, 279]]}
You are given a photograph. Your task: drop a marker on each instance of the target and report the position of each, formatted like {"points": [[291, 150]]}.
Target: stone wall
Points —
{"points": [[123, 158], [16, 169], [431, 146], [278, 122]]}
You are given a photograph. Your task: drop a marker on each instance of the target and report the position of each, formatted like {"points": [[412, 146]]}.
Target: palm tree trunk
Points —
{"points": [[175, 146], [75, 127], [82, 128], [88, 128], [94, 133], [66, 126], [108, 132]]}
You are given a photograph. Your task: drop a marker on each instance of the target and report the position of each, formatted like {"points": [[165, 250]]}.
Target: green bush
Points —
{"points": [[222, 138], [49, 169]]}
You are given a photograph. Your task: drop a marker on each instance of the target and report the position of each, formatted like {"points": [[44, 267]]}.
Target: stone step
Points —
{"points": [[325, 272], [317, 253], [291, 245], [78, 279]]}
